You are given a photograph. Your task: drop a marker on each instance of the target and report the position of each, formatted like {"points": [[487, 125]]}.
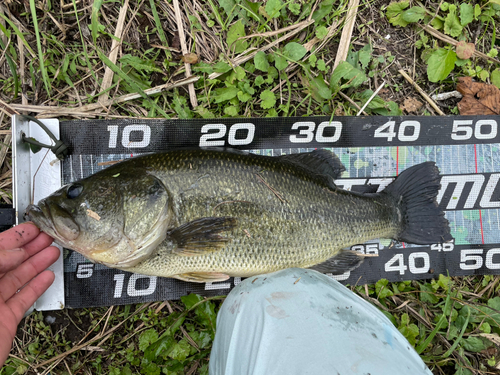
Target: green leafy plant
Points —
{"points": [[452, 322], [351, 74], [454, 20], [441, 321], [440, 63]]}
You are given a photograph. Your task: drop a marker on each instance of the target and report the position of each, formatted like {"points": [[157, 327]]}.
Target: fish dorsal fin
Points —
{"points": [[201, 236], [318, 163], [346, 260]]}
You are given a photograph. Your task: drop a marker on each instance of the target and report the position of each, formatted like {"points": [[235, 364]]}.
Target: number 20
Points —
{"points": [[215, 139]]}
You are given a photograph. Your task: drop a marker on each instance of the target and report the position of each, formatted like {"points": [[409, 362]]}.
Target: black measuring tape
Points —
{"points": [[374, 150]]}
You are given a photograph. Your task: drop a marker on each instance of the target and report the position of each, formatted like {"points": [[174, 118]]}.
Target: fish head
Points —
{"points": [[117, 219]]}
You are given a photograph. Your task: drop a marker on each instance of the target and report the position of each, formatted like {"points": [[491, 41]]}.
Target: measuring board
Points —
{"points": [[373, 149]]}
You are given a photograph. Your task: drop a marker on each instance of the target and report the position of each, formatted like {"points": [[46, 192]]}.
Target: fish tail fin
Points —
{"points": [[414, 192]]}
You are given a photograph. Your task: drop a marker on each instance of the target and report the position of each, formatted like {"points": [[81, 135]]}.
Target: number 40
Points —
{"points": [[397, 263], [388, 131]]}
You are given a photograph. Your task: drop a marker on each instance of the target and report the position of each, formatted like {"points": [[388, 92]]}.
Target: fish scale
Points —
{"points": [[205, 215], [280, 231]]}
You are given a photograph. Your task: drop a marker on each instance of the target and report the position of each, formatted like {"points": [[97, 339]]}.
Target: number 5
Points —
{"points": [[466, 255], [459, 126]]}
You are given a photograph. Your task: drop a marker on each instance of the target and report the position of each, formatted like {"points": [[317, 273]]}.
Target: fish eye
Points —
{"points": [[74, 191]]}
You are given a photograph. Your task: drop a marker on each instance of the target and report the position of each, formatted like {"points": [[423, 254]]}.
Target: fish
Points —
{"points": [[204, 215]]}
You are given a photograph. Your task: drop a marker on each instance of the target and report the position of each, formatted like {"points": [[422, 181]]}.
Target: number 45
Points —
{"points": [[447, 246]]}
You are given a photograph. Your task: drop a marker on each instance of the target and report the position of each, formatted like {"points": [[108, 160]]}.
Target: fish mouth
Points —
{"points": [[61, 227], [40, 215]]}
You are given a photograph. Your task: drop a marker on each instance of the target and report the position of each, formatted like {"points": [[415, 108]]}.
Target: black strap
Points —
{"points": [[7, 217], [60, 149]]}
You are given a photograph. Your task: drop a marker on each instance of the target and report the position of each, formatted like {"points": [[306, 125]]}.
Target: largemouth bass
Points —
{"points": [[205, 215]]}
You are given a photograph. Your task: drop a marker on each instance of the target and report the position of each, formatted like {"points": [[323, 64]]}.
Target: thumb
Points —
{"points": [[11, 259]]}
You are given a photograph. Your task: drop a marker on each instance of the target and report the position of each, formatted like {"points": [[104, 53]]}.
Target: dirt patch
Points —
{"points": [[65, 322], [386, 40]]}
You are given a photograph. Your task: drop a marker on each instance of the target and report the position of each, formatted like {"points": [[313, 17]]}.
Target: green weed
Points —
{"points": [[455, 20], [440, 322]]}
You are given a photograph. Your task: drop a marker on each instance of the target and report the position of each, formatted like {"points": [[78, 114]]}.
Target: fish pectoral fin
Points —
{"points": [[346, 260], [201, 236], [202, 277]]}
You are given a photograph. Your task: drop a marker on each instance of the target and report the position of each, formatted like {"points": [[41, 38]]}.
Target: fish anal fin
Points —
{"points": [[201, 236], [346, 260], [202, 277]]}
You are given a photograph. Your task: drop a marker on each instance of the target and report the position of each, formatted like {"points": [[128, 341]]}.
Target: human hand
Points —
{"points": [[25, 253]]}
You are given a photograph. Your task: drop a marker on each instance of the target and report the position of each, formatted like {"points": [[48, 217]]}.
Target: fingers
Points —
{"points": [[12, 281], [28, 246], [18, 236], [41, 242], [22, 301], [10, 259]]}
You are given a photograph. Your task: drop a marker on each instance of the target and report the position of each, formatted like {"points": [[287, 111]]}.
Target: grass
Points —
{"points": [[43, 71], [255, 59]]}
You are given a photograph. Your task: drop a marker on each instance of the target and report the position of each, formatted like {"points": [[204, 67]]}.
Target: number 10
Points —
{"points": [[126, 142]]}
